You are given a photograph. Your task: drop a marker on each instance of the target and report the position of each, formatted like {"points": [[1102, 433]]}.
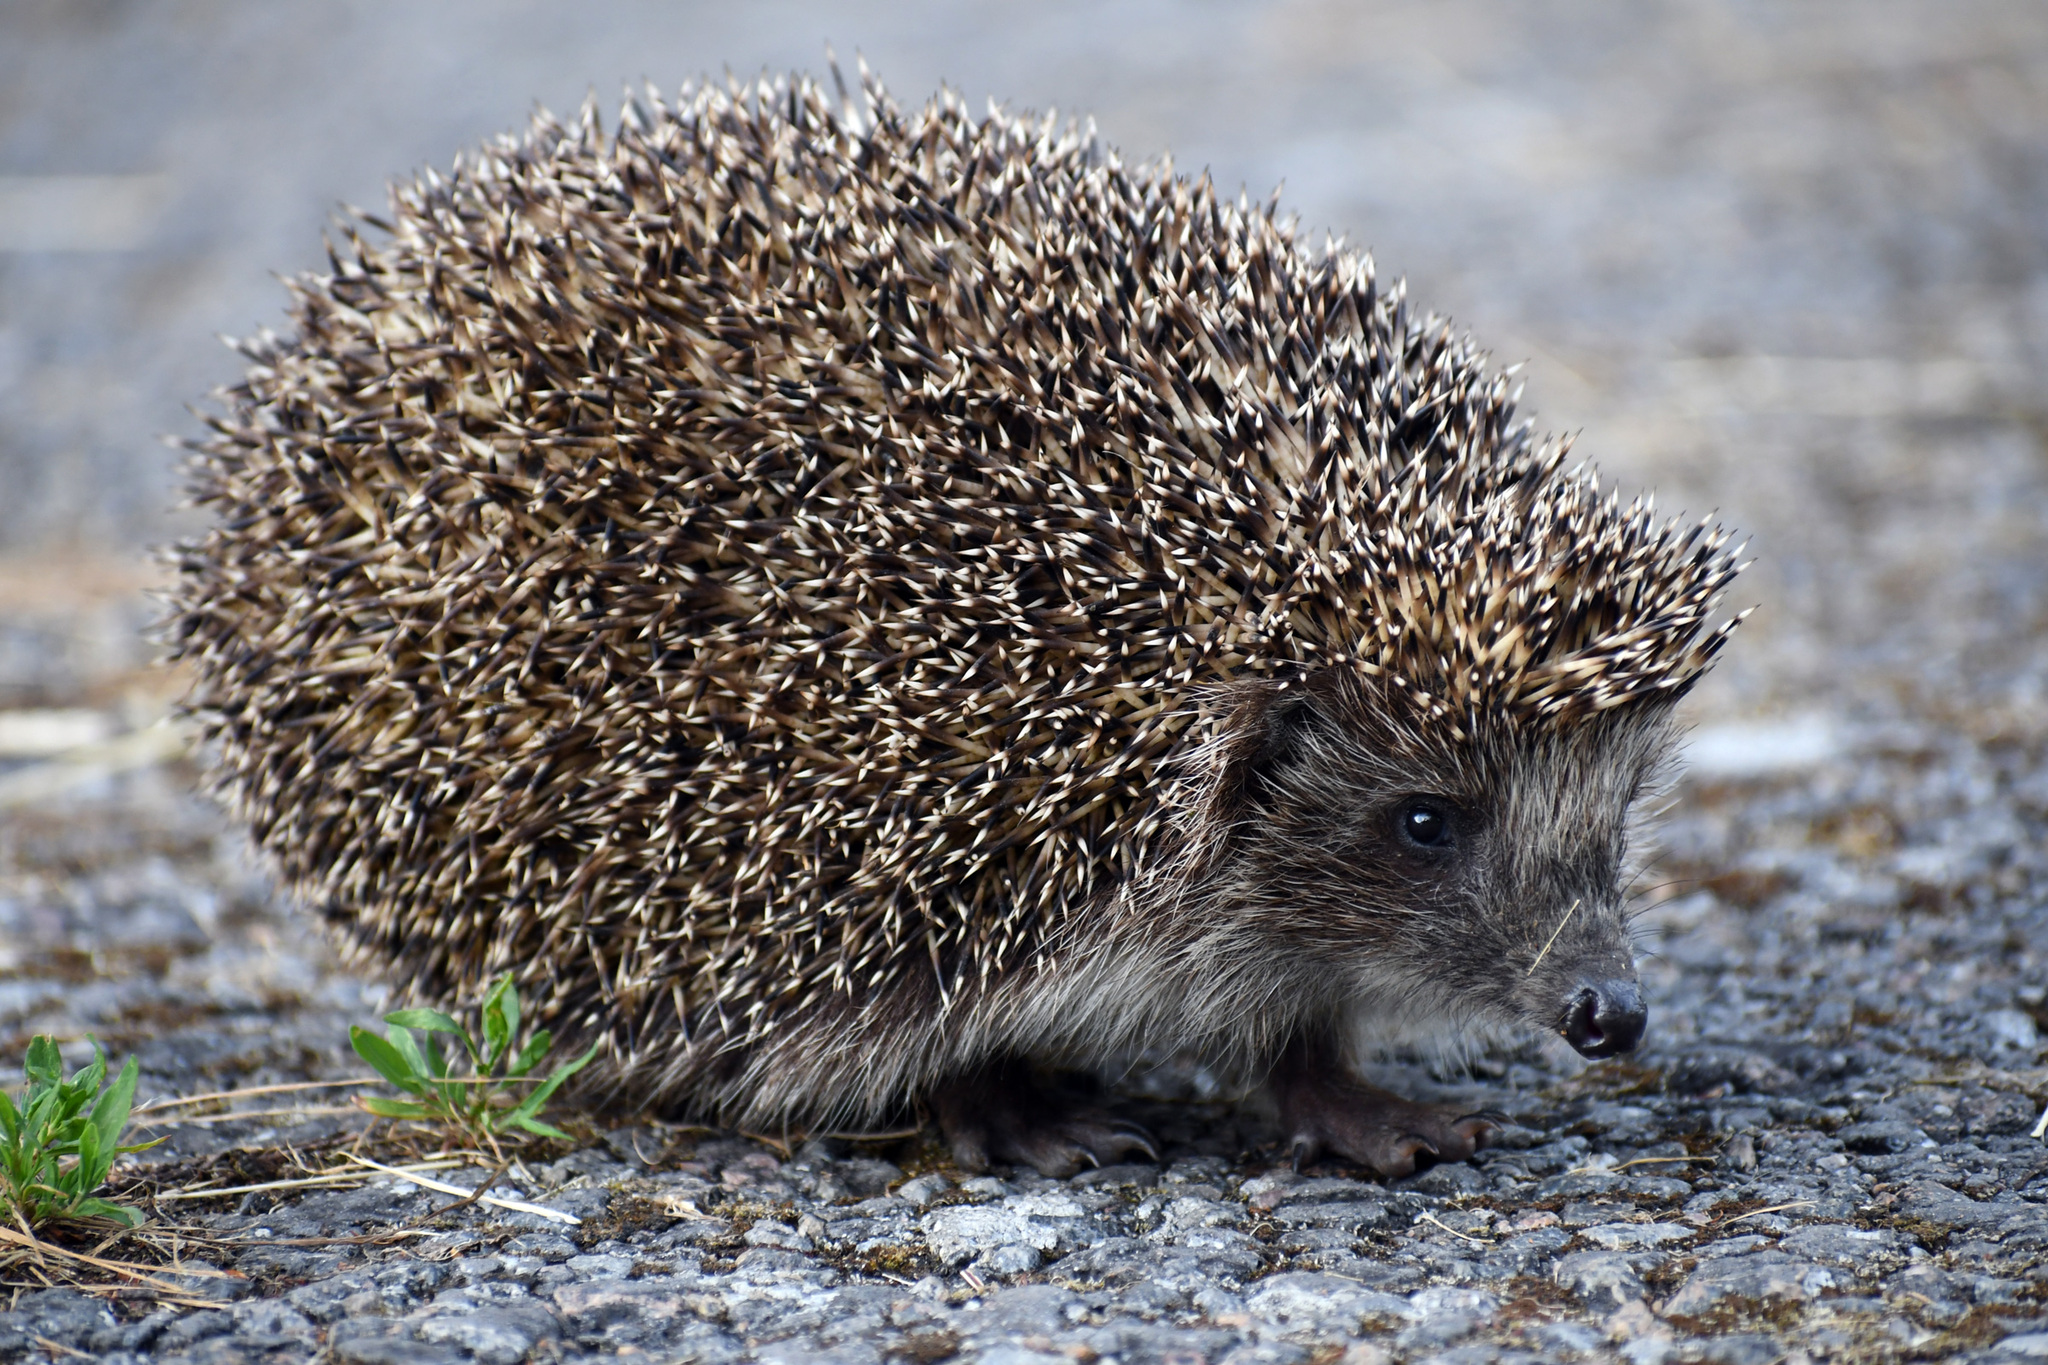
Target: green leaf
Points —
{"points": [[86, 1084], [535, 1049], [387, 1061], [10, 1119], [430, 1049], [530, 1106], [110, 1115], [534, 1125], [398, 1109], [426, 1021], [456, 1097], [92, 1166], [45, 1064], [101, 1208], [408, 1045], [501, 1019]]}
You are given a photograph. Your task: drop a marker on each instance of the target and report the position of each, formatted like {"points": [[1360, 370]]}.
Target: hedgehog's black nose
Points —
{"points": [[1605, 1018]]}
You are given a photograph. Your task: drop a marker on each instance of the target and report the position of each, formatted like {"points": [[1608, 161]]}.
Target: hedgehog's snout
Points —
{"points": [[1605, 1018]]}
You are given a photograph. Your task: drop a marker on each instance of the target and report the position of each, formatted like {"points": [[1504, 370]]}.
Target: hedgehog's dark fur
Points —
{"points": [[843, 600]]}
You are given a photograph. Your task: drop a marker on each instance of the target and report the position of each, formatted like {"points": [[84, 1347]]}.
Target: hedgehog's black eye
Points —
{"points": [[1426, 824]]}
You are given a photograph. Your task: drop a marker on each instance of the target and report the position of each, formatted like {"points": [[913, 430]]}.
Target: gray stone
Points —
{"points": [[191, 1328], [1476, 1304], [608, 1301], [1760, 1277], [1603, 1280], [2030, 1345], [1944, 1207], [1453, 1178], [924, 1189], [1700, 1069], [271, 1322], [1884, 1136], [1306, 1301], [1578, 1185], [1741, 1348], [1863, 1250], [547, 1246], [1729, 1246], [1222, 1240], [1027, 1310], [1575, 1337], [600, 1267], [1629, 1236], [1020, 1355], [1011, 1260], [770, 1233], [498, 1335], [961, 1233], [115, 1337], [1352, 1216], [326, 1300], [385, 1345]]}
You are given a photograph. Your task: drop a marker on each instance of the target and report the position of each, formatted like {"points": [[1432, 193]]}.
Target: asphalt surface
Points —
{"points": [[1788, 262]]}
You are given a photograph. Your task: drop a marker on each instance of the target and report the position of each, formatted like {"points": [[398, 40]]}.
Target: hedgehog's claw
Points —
{"points": [[1002, 1115], [1326, 1110], [1139, 1140]]}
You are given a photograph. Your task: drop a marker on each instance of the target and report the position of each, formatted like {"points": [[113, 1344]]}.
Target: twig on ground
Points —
{"points": [[1638, 1161], [155, 1105], [373, 1239], [236, 1115], [515, 1205], [780, 1144], [896, 1136], [1463, 1236], [335, 1177], [1769, 1208], [472, 1197]]}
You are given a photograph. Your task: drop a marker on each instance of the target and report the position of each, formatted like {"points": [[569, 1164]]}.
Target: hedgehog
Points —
{"points": [[866, 610]]}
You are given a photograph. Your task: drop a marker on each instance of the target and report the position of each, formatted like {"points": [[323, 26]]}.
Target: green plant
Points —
{"points": [[481, 1104], [59, 1142]]}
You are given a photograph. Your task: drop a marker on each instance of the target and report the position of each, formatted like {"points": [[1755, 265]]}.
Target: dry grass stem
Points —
{"points": [[201, 1120], [338, 1177], [516, 1205], [179, 1102]]}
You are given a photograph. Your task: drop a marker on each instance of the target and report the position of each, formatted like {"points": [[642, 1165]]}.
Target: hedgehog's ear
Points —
{"points": [[1289, 717], [1261, 735]]}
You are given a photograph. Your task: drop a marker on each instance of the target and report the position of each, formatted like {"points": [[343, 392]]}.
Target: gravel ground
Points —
{"points": [[1825, 1148], [1790, 261]]}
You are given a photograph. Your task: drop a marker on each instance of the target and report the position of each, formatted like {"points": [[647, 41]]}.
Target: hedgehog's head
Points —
{"points": [[1481, 879], [1431, 824]]}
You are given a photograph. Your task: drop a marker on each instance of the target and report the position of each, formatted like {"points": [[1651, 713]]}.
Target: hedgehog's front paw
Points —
{"points": [[1324, 1110], [1383, 1131], [1002, 1115]]}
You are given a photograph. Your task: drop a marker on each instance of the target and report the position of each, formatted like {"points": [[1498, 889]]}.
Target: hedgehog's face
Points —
{"points": [[1449, 884]]}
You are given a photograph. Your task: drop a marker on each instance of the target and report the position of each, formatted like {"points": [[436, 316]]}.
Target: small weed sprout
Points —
{"points": [[60, 1140], [483, 1104]]}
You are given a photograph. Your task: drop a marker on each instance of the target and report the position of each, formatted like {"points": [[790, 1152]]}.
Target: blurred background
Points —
{"points": [[1784, 260]]}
